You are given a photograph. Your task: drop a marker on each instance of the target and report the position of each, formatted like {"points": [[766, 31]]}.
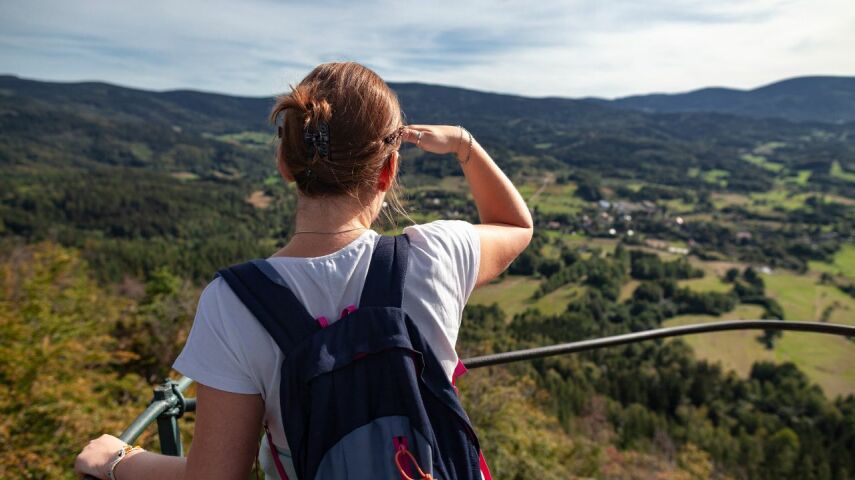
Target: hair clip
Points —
{"points": [[317, 139], [394, 136]]}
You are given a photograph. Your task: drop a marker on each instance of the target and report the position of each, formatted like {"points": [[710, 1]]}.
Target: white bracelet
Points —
{"points": [[469, 150], [121, 455]]}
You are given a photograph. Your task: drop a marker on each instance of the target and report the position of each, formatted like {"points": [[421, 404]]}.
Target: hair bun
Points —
{"points": [[362, 121]]}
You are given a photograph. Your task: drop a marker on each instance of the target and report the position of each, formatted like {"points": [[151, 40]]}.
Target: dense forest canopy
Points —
{"points": [[118, 205]]}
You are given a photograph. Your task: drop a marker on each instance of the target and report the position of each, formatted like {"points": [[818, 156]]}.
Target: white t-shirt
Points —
{"points": [[228, 349]]}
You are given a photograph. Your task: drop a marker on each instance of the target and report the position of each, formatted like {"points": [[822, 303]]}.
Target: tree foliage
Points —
{"points": [[59, 365]]}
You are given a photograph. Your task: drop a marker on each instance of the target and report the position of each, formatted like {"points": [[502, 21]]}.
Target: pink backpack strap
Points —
{"points": [[485, 470], [459, 371], [276, 460]]}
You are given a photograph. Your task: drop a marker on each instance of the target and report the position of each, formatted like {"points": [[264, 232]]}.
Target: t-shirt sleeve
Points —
{"points": [[212, 355], [455, 244]]}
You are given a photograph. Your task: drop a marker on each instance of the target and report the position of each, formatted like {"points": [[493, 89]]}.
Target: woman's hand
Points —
{"points": [[439, 139], [96, 457]]}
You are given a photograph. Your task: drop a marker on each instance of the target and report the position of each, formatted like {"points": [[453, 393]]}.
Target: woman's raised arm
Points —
{"points": [[506, 226]]}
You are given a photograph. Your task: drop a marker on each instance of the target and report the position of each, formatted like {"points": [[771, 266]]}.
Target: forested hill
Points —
{"points": [[95, 122], [190, 110], [93, 165], [818, 99], [217, 113]]}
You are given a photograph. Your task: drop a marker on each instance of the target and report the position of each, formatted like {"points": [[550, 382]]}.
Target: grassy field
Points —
{"points": [[802, 177], [677, 206], [722, 200], [761, 162], [827, 360], [249, 139], [735, 351], [556, 302], [607, 245], [778, 198], [627, 289], [838, 172], [707, 283], [553, 198], [185, 176], [513, 294], [764, 202], [716, 177], [768, 148], [805, 299], [843, 264]]}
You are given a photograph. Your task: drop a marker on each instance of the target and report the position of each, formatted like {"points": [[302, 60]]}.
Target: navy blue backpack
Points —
{"points": [[363, 398]]}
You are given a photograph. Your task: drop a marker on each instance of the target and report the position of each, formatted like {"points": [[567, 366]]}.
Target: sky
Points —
{"points": [[571, 48]]}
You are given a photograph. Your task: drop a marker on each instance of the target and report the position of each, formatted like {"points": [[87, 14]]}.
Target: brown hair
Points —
{"points": [[365, 126]]}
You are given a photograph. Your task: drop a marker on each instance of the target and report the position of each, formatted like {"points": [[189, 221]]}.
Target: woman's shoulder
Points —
{"points": [[216, 294], [219, 309], [445, 235], [437, 226], [448, 250]]}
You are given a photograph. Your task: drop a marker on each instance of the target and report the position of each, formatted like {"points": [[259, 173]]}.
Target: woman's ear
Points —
{"points": [[388, 172]]}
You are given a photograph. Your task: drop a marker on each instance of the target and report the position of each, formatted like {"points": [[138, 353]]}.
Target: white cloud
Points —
{"points": [[577, 48]]}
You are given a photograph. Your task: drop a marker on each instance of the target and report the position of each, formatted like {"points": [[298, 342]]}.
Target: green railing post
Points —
{"points": [[167, 422]]}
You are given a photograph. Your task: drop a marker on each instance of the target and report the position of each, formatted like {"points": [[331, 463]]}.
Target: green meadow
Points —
{"points": [[838, 172], [843, 264], [514, 294], [761, 162], [735, 351], [826, 359], [552, 198], [708, 283]]}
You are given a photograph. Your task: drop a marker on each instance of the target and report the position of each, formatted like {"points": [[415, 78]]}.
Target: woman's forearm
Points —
{"points": [[151, 466], [496, 198]]}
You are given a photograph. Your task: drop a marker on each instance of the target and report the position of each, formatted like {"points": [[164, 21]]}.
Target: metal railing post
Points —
{"points": [[167, 422], [168, 404]]}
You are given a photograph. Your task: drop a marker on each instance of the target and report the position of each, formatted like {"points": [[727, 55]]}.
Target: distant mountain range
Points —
{"points": [[83, 125], [826, 99], [818, 99]]}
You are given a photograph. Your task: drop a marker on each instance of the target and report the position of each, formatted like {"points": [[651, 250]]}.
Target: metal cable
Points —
{"points": [[531, 353]]}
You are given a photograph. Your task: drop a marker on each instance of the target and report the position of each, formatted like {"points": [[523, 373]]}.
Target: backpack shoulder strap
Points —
{"points": [[384, 285], [266, 295]]}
